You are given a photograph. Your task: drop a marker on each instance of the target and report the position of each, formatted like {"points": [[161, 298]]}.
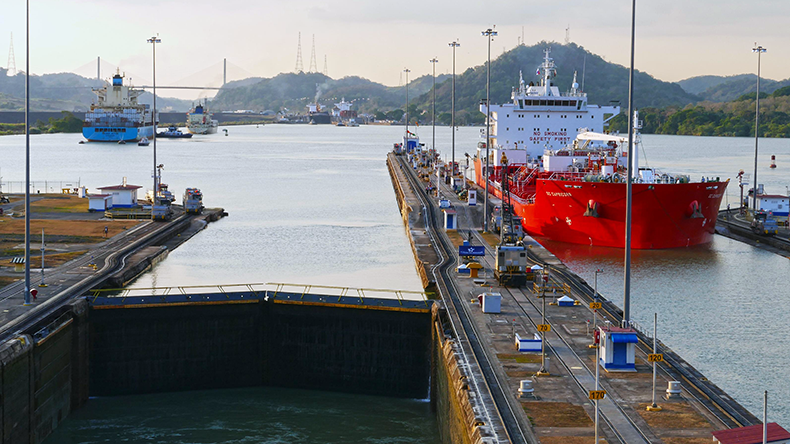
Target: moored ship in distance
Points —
{"points": [[117, 116], [566, 176], [316, 115], [199, 120]]}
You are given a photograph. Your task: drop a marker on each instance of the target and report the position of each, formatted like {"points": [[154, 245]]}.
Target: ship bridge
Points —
{"points": [[540, 117]]}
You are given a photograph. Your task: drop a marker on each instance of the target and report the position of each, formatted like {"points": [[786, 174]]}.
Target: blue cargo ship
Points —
{"points": [[117, 116]]}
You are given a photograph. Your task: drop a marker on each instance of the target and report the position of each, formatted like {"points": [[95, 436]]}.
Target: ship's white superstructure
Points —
{"points": [[199, 120], [117, 116], [539, 117]]}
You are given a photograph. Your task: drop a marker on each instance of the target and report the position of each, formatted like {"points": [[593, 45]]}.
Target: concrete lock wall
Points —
{"points": [[44, 375], [450, 389], [49, 372], [143, 350]]}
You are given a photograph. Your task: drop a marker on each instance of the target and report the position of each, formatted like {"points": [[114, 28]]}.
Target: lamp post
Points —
{"points": [[407, 71], [487, 33], [759, 50], [629, 180], [453, 44], [434, 61], [153, 41], [27, 153]]}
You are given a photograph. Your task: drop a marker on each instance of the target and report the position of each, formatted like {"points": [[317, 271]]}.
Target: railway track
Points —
{"points": [[115, 254], [705, 394], [467, 332]]}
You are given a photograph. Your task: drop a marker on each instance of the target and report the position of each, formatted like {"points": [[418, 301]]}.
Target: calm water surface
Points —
{"points": [[314, 204]]}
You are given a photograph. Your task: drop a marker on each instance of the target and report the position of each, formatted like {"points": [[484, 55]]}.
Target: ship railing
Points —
{"points": [[267, 290], [566, 176]]}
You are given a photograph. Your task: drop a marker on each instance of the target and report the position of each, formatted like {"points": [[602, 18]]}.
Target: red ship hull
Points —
{"points": [[664, 215]]}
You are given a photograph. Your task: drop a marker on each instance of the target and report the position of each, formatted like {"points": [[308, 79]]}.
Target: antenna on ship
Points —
{"points": [[299, 66], [11, 58], [313, 65]]}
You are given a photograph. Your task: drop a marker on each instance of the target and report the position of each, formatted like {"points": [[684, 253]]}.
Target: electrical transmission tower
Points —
{"points": [[313, 65], [11, 58], [299, 66], [568, 34], [326, 72]]}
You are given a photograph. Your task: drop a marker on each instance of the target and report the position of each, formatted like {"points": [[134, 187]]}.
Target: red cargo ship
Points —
{"points": [[572, 189]]}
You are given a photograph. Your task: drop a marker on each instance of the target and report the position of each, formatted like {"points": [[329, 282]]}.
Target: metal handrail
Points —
{"points": [[123, 293]]}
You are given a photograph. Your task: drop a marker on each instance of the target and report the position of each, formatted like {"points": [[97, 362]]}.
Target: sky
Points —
{"points": [[674, 39]]}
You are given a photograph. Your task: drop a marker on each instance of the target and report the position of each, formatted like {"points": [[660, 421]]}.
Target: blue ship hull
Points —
{"points": [[116, 134]]}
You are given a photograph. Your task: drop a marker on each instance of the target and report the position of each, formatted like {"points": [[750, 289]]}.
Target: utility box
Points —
{"points": [[618, 349], [529, 345], [450, 220], [472, 198], [492, 302]]}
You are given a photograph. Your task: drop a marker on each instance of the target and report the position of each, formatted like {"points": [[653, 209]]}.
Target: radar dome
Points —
{"points": [[575, 85]]}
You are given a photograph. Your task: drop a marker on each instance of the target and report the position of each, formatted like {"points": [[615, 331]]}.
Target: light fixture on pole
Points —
{"points": [[490, 32], [27, 153], [153, 41], [454, 44], [759, 50], [407, 71], [629, 181]]}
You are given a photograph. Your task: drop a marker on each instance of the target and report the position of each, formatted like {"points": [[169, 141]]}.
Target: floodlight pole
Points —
{"points": [[454, 44], [434, 61], [629, 181], [407, 71], [759, 50], [153, 41], [27, 153], [487, 33]]}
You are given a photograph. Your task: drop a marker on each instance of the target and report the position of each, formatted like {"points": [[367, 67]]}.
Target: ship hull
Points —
{"points": [[320, 118], [117, 134], [663, 215], [202, 129]]}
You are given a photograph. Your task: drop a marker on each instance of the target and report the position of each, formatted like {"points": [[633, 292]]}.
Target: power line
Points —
{"points": [[299, 66]]}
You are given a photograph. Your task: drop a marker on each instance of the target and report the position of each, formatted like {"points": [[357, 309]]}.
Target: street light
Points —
{"points": [[759, 50], [487, 33], [453, 44], [153, 41], [27, 152]]}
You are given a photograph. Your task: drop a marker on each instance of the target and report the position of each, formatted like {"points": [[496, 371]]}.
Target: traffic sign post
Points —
{"points": [[597, 369], [543, 327], [655, 358]]}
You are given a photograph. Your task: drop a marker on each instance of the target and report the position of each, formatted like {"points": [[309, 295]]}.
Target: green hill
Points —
{"points": [[729, 88], [603, 81], [289, 91], [63, 92]]}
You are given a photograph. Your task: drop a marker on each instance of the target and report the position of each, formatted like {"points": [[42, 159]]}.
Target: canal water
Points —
{"points": [[314, 205]]}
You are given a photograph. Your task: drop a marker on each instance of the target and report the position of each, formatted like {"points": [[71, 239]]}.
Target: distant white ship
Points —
{"points": [[199, 121]]}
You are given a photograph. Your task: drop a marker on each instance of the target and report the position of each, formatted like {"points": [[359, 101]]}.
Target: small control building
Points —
{"points": [[123, 195], [618, 349]]}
